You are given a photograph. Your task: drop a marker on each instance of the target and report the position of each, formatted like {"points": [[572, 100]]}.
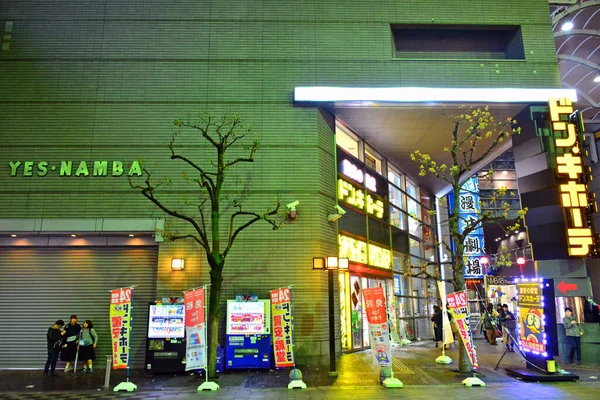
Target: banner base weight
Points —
{"points": [[392, 383], [125, 387], [443, 360], [469, 382], [297, 384], [208, 386]]}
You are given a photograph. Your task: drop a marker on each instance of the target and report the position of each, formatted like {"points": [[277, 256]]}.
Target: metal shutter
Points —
{"points": [[40, 285]]}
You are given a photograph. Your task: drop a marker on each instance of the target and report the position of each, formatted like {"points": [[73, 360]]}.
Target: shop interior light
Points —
{"points": [[361, 95], [177, 264], [319, 263], [73, 235], [131, 235], [13, 235]]}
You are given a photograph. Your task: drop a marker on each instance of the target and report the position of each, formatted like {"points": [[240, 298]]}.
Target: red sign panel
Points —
{"points": [[375, 305]]}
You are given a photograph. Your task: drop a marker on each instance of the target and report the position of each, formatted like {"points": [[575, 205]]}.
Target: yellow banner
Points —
{"points": [[120, 325]]}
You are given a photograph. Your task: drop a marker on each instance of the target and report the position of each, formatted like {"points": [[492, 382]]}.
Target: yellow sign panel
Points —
{"points": [[574, 195], [357, 250], [355, 197]]}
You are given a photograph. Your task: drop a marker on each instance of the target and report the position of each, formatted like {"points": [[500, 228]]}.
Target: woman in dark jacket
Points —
{"points": [[437, 325], [71, 339]]}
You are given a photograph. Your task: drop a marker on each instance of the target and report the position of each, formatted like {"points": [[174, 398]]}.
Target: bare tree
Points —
{"points": [[225, 135], [475, 135]]}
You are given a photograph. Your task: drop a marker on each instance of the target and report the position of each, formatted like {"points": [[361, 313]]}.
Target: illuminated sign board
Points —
{"points": [[70, 168], [356, 174], [532, 321], [573, 176], [364, 253], [355, 197]]}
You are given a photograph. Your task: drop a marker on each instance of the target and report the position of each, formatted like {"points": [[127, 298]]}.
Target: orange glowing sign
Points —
{"points": [[574, 194]]}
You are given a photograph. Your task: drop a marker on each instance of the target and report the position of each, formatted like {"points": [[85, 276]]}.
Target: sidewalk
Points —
{"points": [[414, 365]]}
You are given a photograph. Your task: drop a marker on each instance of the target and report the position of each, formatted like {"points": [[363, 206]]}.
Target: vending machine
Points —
{"points": [[165, 344], [248, 334]]}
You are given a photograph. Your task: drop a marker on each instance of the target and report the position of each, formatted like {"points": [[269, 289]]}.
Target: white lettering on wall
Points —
{"points": [[354, 173]]}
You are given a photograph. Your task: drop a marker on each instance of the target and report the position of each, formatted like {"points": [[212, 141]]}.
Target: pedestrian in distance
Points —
{"points": [[509, 323], [490, 321], [54, 342], [437, 320], [69, 348], [87, 346], [573, 331]]}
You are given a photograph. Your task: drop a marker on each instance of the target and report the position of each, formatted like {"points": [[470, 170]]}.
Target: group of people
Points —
{"points": [[500, 322], [72, 342]]}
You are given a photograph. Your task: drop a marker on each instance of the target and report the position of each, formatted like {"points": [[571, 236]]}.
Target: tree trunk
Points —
{"points": [[464, 361], [214, 315]]}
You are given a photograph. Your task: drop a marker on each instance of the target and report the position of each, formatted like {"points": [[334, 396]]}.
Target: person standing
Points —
{"points": [[509, 332], [87, 345], [573, 332], [54, 341], [490, 323], [437, 325], [69, 348]]}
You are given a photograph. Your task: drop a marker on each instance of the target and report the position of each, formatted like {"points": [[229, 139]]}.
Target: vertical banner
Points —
{"points": [[448, 335], [457, 303], [195, 326], [378, 326], [282, 327], [120, 325]]}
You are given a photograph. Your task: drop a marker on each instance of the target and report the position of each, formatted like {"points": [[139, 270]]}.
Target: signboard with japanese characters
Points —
{"points": [[379, 332], [469, 213], [282, 327], [572, 176], [195, 328], [458, 306], [120, 325], [531, 317]]}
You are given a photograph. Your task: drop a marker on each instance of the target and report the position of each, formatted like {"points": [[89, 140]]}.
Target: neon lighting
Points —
{"points": [[570, 168], [357, 250], [356, 198], [421, 94], [356, 174]]}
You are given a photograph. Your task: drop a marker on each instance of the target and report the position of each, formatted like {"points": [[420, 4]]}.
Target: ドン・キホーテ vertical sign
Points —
{"points": [[120, 325], [572, 176]]}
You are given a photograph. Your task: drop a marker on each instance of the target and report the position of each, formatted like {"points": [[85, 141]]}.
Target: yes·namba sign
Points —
{"points": [[74, 168]]}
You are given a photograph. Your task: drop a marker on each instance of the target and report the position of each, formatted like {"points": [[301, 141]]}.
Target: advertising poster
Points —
{"points": [[458, 306], [378, 326], [282, 327], [531, 313], [166, 321], [245, 318], [120, 325], [195, 324]]}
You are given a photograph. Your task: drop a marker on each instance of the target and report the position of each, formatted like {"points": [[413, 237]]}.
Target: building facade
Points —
{"points": [[89, 90]]}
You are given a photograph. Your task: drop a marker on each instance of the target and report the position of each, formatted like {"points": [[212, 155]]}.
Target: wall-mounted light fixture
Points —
{"points": [[177, 264]]}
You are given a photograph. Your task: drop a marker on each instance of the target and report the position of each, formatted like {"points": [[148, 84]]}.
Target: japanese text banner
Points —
{"points": [[282, 327], [379, 332], [120, 325], [458, 306], [195, 327]]}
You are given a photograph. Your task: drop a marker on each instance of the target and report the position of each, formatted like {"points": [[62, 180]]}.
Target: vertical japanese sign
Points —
{"points": [[458, 306], [282, 327], [120, 325], [573, 177], [195, 328], [378, 326], [531, 317]]}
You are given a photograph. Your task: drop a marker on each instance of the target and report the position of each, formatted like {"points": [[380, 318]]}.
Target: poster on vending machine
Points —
{"points": [[195, 327], [379, 332]]}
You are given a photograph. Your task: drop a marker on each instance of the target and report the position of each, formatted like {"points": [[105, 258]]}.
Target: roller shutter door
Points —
{"points": [[40, 285]]}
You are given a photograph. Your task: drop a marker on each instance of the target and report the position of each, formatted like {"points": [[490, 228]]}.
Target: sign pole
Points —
{"points": [[206, 385], [295, 383], [127, 385]]}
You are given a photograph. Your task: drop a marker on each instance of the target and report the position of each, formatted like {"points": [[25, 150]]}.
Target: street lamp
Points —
{"points": [[521, 262], [331, 264]]}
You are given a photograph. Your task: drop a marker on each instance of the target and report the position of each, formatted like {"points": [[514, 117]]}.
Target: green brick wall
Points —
{"points": [[103, 80]]}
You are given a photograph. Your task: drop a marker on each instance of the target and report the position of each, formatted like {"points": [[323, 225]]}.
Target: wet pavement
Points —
{"points": [[414, 365]]}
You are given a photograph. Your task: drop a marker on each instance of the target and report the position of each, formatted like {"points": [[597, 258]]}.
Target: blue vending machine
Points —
{"points": [[248, 334]]}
